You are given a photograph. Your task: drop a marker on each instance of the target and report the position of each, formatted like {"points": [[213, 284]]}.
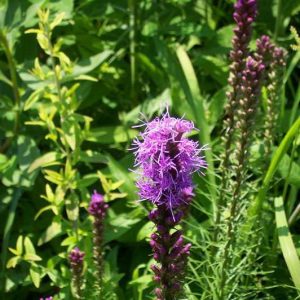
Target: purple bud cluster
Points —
{"points": [[166, 160], [244, 15], [76, 261], [275, 61], [97, 206], [47, 298], [245, 12], [170, 251], [97, 209]]}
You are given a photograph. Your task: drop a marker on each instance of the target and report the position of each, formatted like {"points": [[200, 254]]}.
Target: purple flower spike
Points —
{"points": [[47, 298], [98, 210], [76, 261], [97, 206], [167, 160]]}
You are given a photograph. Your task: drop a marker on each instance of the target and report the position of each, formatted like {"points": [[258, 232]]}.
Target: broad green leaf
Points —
{"points": [[31, 257], [48, 159], [51, 232], [121, 174], [111, 134], [70, 240], [90, 156], [87, 180], [13, 262], [29, 248], [145, 231], [72, 207], [87, 65], [35, 276], [289, 170]]}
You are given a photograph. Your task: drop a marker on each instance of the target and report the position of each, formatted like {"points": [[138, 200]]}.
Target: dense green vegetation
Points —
{"points": [[75, 77]]}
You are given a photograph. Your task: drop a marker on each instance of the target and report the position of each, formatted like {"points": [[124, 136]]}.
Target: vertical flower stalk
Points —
{"points": [[98, 210], [76, 261], [245, 12], [274, 59], [248, 104], [166, 160]]}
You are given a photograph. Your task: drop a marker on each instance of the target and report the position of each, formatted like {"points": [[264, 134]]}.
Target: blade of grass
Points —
{"points": [[192, 91], [255, 207], [6, 235], [286, 243]]}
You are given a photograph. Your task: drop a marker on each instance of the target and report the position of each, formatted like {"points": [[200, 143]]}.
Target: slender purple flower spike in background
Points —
{"points": [[98, 210], [76, 261], [166, 160]]}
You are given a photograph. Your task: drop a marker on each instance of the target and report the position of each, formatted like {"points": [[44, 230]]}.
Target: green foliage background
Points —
{"points": [[61, 140]]}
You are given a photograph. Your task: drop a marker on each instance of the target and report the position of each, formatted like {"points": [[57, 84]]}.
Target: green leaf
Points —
{"points": [[19, 247], [71, 133], [87, 65], [29, 248], [70, 240], [14, 251], [47, 159], [121, 174], [33, 98], [13, 262], [289, 170], [54, 177], [286, 243], [90, 156], [191, 87], [87, 180], [31, 257], [48, 207], [72, 207], [255, 207], [145, 231], [51, 232], [111, 134], [35, 276]]}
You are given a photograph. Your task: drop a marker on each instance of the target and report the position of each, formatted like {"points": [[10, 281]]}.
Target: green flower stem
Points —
{"points": [[13, 76]]}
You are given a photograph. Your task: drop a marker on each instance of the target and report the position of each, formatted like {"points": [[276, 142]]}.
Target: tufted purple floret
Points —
{"points": [[167, 159], [97, 207]]}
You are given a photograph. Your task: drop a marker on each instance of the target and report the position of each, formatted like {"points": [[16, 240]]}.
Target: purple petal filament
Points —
{"points": [[167, 160]]}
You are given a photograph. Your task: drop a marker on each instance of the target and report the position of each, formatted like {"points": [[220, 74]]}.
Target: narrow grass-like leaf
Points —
{"points": [[192, 91], [286, 242], [7, 230], [255, 207]]}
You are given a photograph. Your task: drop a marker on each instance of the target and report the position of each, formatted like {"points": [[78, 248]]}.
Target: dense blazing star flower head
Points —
{"points": [[167, 159], [97, 207]]}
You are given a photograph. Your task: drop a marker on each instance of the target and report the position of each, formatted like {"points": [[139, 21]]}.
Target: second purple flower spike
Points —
{"points": [[167, 159]]}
